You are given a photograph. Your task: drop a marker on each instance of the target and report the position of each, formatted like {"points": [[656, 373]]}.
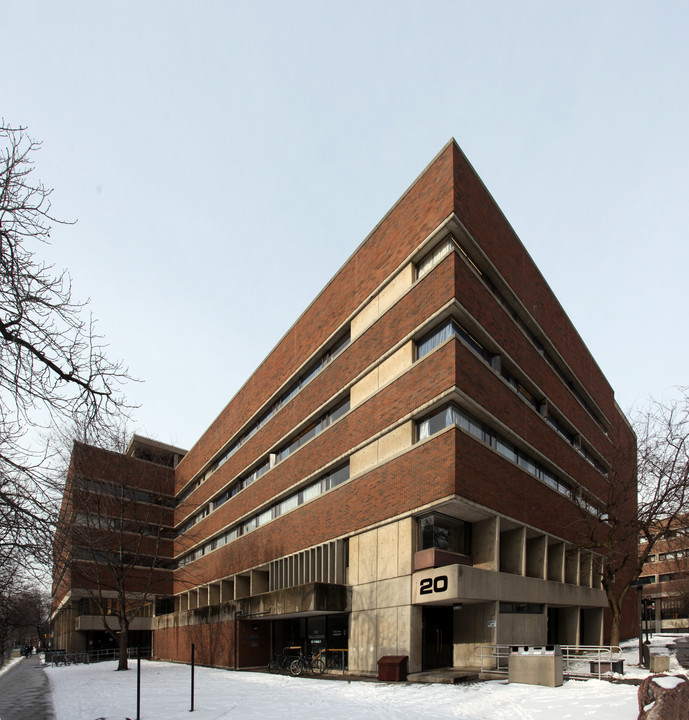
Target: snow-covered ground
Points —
{"points": [[98, 691], [90, 692]]}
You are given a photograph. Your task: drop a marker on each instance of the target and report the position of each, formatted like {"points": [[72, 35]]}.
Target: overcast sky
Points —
{"points": [[223, 160]]}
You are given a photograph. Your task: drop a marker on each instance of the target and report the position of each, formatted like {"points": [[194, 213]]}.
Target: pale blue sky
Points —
{"points": [[223, 160]]}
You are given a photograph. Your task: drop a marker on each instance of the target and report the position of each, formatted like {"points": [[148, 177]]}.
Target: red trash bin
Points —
{"points": [[393, 668]]}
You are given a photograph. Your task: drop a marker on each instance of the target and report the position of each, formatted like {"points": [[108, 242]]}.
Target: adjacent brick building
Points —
{"points": [[665, 580], [408, 471]]}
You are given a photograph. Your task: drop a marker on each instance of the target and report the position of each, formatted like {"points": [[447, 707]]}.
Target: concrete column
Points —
{"points": [[569, 625], [658, 618], [339, 562]]}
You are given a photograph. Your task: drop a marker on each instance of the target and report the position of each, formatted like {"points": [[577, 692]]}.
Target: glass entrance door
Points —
{"points": [[437, 637]]}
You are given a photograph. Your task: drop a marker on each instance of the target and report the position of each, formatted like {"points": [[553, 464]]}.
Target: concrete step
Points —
{"points": [[448, 676]]}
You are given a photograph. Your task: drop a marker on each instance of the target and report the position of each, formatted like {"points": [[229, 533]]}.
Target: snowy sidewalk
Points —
{"points": [[25, 692]]}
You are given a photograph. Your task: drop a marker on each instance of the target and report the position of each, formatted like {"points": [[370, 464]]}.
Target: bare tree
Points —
{"points": [[24, 611], [8, 582], [114, 541], [53, 366], [642, 503]]}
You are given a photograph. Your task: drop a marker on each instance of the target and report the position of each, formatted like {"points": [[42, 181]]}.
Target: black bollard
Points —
{"points": [[192, 678]]}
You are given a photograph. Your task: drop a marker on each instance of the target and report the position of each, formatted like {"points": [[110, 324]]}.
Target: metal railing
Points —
{"points": [[336, 660], [579, 661], [60, 657], [588, 661]]}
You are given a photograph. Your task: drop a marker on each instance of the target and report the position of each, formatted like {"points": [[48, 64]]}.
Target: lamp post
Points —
{"points": [[639, 585]]}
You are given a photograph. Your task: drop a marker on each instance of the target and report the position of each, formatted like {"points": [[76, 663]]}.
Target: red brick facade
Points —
{"points": [[532, 386]]}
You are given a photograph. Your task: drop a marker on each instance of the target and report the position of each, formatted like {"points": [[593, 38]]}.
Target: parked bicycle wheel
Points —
{"points": [[317, 666], [275, 664], [296, 667]]}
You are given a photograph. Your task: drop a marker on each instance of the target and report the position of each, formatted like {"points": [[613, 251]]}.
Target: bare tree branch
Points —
{"points": [[53, 364], [643, 502]]}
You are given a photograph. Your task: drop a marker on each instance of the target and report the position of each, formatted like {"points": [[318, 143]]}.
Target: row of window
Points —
{"points": [[507, 608], [301, 382], [674, 609], [679, 532], [453, 415], [426, 345], [442, 250], [320, 486], [117, 558], [323, 423], [674, 555], [451, 328], [99, 521], [124, 492], [663, 577]]}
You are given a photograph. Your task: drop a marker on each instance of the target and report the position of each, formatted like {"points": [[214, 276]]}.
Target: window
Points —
{"points": [[444, 533], [447, 330], [326, 482], [310, 492], [526, 462], [338, 346], [453, 415], [337, 477], [521, 608], [647, 579], [435, 423], [312, 430], [286, 505], [427, 263]]}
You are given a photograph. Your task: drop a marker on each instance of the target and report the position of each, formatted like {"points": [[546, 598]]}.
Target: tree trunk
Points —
{"points": [[122, 665], [615, 620]]}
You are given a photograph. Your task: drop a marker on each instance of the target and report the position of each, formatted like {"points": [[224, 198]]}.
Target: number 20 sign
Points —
{"points": [[428, 586]]}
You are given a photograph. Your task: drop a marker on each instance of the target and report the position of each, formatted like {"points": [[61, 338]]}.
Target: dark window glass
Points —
{"points": [[444, 533]]}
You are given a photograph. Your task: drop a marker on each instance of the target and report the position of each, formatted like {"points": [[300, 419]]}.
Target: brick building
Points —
{"points": [[408, 471], [114, 545], [665, 581]]}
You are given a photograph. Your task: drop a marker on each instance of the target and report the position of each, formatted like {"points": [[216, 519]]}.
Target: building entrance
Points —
{"points": [[437, 642], [553, 626], [310, 634]]}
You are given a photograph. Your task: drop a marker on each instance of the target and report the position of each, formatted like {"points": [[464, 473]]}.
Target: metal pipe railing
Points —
{"points": [[585, 661]]}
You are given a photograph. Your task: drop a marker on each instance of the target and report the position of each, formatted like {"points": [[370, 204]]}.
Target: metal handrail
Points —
{"points": [[61, 657], [575, 659]]}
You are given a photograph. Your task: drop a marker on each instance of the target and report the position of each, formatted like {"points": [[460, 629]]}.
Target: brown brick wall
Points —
{"points": [[427, 203], [491, 230]]}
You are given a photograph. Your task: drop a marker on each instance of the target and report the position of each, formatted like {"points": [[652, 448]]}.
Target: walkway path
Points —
{"points": [[25, 692], [682, 645]]}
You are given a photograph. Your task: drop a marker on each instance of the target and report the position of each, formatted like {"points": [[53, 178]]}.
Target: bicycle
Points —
{"points": [[313, 663], [281, 661]]}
